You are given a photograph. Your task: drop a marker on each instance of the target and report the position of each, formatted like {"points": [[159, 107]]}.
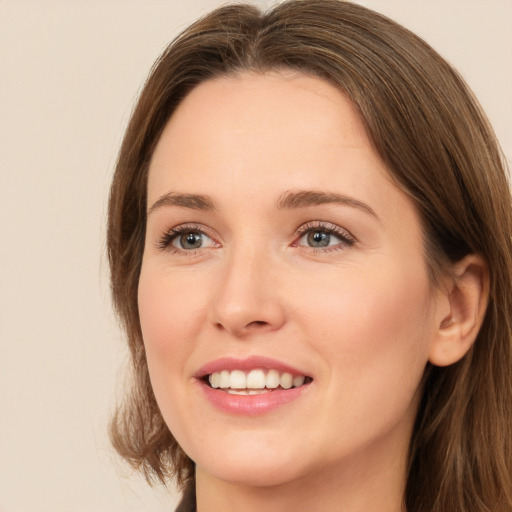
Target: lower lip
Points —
{"points": [[251, 405]]}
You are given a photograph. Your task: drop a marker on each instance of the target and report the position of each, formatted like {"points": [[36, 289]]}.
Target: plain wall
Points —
{"points": [[70, 71]]}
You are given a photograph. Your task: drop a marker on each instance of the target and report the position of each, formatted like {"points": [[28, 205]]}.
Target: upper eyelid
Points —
{"points": [[190, 226], [167, 236], [329, 226]]}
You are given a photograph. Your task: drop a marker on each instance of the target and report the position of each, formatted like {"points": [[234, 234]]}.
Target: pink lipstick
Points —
{"points": [[251, 386]]}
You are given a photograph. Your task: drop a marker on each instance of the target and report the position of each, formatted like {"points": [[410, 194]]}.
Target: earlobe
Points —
{"points": [[467, 297]]}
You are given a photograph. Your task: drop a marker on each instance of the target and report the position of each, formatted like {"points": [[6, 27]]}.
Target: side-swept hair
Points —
{"points": [[440, 150]]}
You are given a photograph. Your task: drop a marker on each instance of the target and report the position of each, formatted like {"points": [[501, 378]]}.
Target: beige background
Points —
{"points": [[69, 73]]}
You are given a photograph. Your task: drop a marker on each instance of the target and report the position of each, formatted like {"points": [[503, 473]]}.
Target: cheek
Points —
{"points": [[372, 332], [374, 327], [362, 301], [170, 317], [170, 314]]}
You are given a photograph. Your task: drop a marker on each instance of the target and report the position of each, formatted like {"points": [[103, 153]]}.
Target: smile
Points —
{"points": [[255, 381], [251, 386]]}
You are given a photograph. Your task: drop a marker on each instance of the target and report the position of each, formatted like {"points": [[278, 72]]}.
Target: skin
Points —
{"points": [[360, 318]]}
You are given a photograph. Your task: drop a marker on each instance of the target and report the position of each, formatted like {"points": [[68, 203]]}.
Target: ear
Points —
{"points": [[466, 298]]}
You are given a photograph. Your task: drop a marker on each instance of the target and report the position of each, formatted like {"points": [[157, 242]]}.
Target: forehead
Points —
{"points": [[286, 123]]}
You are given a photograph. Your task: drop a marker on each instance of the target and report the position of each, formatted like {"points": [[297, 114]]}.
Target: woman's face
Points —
{"points": [[278, 251]]}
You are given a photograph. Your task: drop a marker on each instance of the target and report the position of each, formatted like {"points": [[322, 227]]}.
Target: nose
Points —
{"points": [[247, 296]]}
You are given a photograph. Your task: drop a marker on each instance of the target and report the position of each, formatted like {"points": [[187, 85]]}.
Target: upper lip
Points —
{"points": [[247, 364]]}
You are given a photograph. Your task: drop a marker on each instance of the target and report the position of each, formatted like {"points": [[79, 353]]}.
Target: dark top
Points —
{"points": [[188, 502]]}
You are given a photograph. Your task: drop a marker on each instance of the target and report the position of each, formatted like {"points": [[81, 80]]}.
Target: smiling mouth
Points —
{"points": [[254, 382]]}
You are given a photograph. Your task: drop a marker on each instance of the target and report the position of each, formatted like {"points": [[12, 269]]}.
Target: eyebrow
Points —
{"points": [[305, 198], [288, 200], [193, 201]]}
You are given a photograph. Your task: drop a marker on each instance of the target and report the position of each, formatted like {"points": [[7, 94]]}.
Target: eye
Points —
{"points": [[189, 240], [319, 239], [320, 236], [185, 239]]}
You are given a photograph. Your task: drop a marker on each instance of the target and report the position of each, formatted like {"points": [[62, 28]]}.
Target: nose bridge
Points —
{"points": [[246, 297]]}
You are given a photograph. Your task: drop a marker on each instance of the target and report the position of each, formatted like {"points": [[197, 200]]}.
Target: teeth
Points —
{"points": [[215, 380], [298, 381], [286, 380], [255, 382], [238, 380], [272, 380], [256, 379], [247, 391], [224, 379]]}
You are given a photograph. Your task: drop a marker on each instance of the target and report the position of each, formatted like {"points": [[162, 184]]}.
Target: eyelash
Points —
{"points": [[166, 240], [346, 239]]}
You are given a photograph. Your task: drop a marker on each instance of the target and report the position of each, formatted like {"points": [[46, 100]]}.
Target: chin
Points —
{"points": [[251, 474], [252, 466]]}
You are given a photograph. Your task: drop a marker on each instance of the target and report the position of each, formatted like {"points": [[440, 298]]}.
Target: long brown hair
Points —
{"points": [[439, 148]]}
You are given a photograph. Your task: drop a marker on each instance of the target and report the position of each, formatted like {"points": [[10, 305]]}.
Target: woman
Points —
{"points": [[310, 245]]}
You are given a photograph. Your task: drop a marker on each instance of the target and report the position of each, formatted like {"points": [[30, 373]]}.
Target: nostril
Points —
{"points": [[257, 323], [245, 329]]}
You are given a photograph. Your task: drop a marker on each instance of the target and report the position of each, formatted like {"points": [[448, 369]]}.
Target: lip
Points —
{"points": [[249, 405], [246, 364]]}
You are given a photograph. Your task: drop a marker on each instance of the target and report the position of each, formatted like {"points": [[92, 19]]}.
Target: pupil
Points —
{"points": [[319, 239], [191, 241]]}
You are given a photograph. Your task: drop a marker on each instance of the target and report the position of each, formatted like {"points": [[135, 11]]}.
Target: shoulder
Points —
{"points": [[188, 501]]}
